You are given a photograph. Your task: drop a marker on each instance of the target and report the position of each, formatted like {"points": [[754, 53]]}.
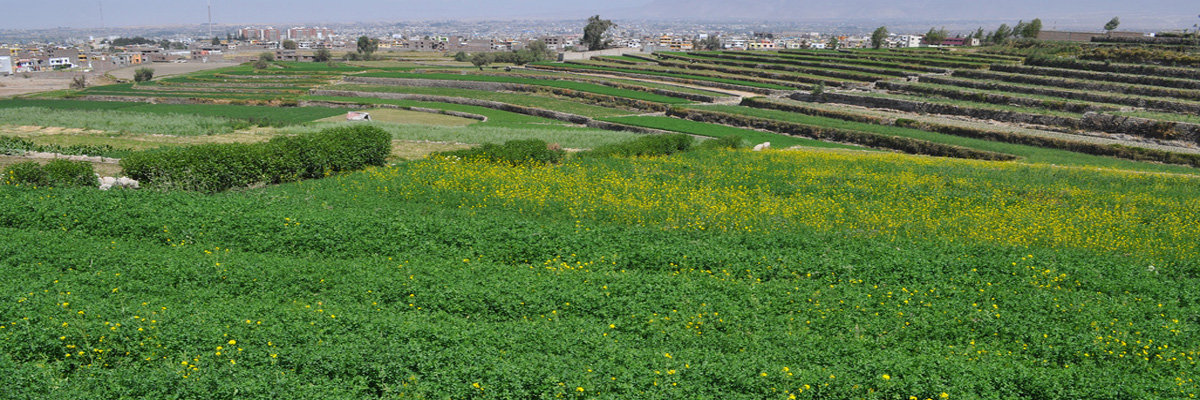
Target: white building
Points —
{"points": [[61, 62], [6, 67], [909, 40]]}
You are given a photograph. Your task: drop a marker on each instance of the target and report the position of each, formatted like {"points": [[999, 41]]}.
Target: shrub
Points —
{"points": [[650, 145], [513, 152], [218, 167], [28, 173], [724, 142], [143, 74], [66, 173]]}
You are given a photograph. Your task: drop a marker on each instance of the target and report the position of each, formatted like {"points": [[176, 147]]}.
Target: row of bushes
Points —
{"points": [[674, 79], [1082, 84], [1099, 76], [864, 62], [1091, 96], [1141, 69], [11, 145], [56, 173], [218, 167], [907, 145], [514, 152], [1131, 153], [536, 152], [650, 145]]}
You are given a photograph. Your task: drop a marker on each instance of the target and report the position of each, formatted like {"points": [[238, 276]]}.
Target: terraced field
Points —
{"points": [[933, 224]]}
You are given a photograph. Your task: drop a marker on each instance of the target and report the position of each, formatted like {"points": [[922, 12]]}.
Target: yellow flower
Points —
{"points": [[944, 395], [579, 389], [886, 377], [232, 342]]}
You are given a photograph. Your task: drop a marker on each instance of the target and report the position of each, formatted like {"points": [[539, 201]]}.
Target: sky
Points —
{"points": [[27, 14]]}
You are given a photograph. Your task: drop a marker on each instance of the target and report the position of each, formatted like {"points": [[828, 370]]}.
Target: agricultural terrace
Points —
{"points": [[925, 224]]}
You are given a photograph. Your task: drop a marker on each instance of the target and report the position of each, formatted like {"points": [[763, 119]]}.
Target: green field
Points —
{"points": [[730, 274], [810, 270], [256, 114], [521, 99], [578, 86]]}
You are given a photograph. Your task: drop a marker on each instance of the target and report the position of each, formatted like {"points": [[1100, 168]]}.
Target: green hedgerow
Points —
{"points": [[650, 145], [66, 173], [28, 173], [513, 152]]}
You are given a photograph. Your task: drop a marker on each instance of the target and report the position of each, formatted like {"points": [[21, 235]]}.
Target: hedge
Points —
{"points": [[652, 145], [56, 173], [218, 167], [514, 152]]}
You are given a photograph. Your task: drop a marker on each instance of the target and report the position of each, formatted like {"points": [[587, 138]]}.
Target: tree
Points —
{"points": [[1112, 25], [366, 45], [1032, 29], [935, 37], [712, 42], [979, 34], [1001, 34], [216, 41], [593, 33], [878, 37], [289, 44], [481, 59], [143, 74], [1019, 29], [462, 56], [79, 82], [322, 55], [833, 43], [540, 50], [264, 60]]}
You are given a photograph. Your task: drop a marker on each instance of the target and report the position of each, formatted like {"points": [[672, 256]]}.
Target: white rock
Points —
{"points": [[762, 146]]}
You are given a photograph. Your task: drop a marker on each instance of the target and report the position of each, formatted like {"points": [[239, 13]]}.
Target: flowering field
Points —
{"points": [[820, 274]]}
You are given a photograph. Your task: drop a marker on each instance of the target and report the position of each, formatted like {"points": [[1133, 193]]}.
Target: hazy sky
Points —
{"points": [[23, 14]]}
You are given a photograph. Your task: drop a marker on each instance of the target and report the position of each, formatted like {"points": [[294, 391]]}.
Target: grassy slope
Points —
{"points": [[530, 100], [579, 86], [445, 285]]}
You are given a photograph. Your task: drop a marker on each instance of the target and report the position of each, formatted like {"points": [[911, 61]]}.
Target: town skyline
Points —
{"points": [[82, 14]]}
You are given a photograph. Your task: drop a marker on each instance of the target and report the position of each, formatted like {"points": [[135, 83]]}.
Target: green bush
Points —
{"points": [[513, 152], [66, 173], [650, 145], [218, 167], [28, 173], [724, 142]]}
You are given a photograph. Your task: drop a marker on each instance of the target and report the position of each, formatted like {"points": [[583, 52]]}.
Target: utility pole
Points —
{"points": [[210, 18], [101, 14]]}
